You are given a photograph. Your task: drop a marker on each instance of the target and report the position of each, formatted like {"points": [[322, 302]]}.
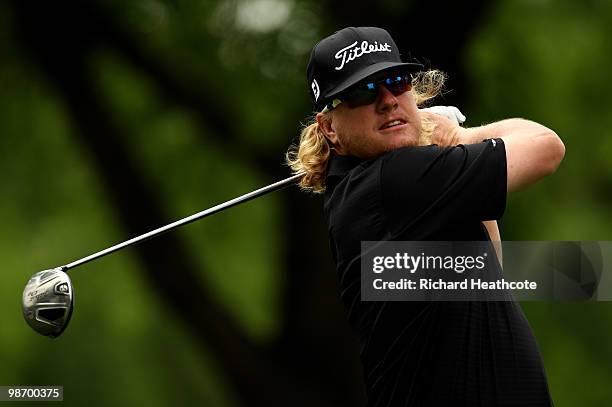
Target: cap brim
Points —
{"points": [[364, 73]]}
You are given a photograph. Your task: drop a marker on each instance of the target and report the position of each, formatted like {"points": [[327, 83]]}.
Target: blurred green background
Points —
{"points": [[118, 117]]}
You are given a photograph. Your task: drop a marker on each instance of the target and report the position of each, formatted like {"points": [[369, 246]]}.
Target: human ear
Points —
{"points": [[324, 120]]}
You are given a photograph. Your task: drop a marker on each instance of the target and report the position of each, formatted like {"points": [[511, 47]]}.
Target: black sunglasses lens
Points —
{"points": [[367, 93], [362, 95], [396, 84]]}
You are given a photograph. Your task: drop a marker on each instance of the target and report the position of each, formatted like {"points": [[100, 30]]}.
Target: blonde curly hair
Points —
{"points": [[311, 154]]}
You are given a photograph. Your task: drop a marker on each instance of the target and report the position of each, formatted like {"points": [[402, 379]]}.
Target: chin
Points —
{"points": [[410, 140], [401, 143]]}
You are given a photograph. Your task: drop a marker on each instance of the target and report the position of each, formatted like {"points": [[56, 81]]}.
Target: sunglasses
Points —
{"points": [[365, 93]]}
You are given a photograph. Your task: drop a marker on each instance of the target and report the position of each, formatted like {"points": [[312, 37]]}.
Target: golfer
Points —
{"points": [[390, 171]]}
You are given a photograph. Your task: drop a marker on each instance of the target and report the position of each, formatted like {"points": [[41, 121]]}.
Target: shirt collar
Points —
{"points": [[340, 165]]}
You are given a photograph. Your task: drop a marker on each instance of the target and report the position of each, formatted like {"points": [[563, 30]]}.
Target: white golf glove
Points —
{"points": [[449, 111]]}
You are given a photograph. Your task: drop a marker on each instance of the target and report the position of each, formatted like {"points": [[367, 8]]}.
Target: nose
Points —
{"points": [[385, 102]]}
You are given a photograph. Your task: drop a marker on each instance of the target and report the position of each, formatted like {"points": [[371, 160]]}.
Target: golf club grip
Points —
{"points": [[196, 216]]}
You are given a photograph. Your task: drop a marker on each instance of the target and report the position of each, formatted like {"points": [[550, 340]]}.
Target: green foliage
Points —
{"points": [[546, 60]]}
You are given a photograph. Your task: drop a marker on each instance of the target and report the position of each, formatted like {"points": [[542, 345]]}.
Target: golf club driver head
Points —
{"points": [[47, 302]]}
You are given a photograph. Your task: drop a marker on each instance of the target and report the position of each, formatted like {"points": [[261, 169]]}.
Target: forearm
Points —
{"points": [[495, 237], [493, 229], [533, 151], [504, 129]]}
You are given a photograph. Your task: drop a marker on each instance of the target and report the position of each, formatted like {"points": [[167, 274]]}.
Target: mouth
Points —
{"points": [[391, 124]]}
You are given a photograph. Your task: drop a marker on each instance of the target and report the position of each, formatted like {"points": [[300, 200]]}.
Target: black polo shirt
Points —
{"points": [[430, 353]]}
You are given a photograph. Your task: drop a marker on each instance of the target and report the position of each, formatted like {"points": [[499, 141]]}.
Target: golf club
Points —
{"points": [[48, 298]]}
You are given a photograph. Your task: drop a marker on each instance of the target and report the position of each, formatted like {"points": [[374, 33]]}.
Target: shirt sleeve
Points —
{"points": [[452, 184]]}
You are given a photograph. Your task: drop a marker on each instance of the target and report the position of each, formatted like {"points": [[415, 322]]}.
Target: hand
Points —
{"points": [[439, 128], [449, 111]]}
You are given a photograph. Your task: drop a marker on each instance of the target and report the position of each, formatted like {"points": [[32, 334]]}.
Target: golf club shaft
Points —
{"points": [[196, 216]]}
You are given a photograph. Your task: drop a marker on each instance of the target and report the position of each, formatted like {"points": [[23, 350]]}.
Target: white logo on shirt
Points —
{"points": [[347, 54]]}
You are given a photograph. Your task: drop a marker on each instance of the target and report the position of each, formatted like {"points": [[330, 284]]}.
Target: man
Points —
{"points": [[392, 172]]}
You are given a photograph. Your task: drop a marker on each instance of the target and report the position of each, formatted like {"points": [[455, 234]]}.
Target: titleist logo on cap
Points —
{"points": [[348, 54]]}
